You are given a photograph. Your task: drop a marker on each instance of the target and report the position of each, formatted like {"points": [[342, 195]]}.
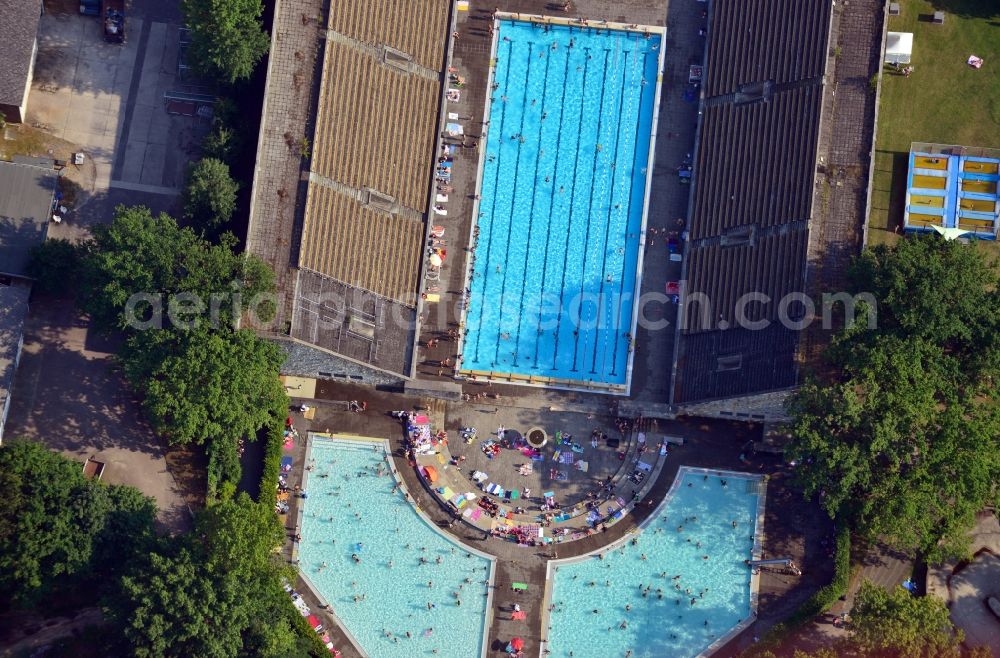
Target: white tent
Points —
{"points": [[898, 47], [950, 233]]}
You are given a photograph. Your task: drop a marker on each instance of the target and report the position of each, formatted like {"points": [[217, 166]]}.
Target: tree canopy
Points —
{"points": [[227, 37], [209, 195], [202, 384], [57, 527], [896, 623], [216, 592], [905, 442], [54, 265], [139, 253]]}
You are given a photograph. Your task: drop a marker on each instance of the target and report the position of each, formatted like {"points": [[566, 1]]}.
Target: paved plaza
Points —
{"points": [[71, 398]]}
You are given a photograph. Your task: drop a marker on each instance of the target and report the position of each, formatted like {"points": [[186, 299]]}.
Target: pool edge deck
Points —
{"points": [[552, 565], [387, 451]]}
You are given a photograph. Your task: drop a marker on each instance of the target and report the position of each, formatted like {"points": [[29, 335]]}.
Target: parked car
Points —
{"points": [[113, 19]]}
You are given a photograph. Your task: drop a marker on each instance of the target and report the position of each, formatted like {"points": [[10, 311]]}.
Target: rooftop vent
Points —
{"points": [[377, 200], [754, 92], [738, 237], [396, 59], [728, 363]]}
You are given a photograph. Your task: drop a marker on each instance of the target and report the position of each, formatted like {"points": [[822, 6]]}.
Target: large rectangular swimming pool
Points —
{"points": [[562, 203]]}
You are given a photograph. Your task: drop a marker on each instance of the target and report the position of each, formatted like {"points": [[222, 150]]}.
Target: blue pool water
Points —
{"points": [[562, 197], [343, 483], [670, 626]]}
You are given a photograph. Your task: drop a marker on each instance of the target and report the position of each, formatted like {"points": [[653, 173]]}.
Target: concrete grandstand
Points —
{"points": [[346, 241], [753, 196]]}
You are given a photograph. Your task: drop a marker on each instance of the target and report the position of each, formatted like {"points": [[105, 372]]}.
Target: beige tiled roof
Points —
{"points": [[375, 126], [365, 248], [415, 27]]}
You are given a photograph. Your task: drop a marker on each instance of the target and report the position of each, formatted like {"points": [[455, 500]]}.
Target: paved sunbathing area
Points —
{"points": [[516, 494], [599, 458]]}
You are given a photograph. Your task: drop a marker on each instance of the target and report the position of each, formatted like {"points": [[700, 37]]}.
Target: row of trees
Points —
{"points": [[227, 43], [215, 591], [227, 38], [202, 380]]}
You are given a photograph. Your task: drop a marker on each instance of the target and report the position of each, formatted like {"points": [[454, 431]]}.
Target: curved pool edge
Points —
{"points": [[408, 497], [552, 565]]}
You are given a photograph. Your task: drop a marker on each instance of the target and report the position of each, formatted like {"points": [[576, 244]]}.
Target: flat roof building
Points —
{"points": [[752, 204], [26, 194]]}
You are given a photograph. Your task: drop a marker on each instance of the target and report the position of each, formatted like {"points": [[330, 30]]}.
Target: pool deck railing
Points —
{"points": [[366, 441], [552, 382], [758, 541]]}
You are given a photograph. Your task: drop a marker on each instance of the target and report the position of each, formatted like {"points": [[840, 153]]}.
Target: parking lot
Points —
{"points": [[108, 99]]}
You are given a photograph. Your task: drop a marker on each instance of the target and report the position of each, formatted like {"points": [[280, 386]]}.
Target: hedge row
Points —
{"points": [[821, 601], [224, 470], [274, 436]]}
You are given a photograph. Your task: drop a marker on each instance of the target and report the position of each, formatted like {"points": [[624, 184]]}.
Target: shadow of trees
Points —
{"points": [[969, 8]]}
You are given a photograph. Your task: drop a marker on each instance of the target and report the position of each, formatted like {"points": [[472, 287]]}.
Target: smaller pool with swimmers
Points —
{"points": [[399, 586], [677, 589]]}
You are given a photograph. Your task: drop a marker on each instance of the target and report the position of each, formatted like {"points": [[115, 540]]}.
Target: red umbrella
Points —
{"points": [[517, 644]]}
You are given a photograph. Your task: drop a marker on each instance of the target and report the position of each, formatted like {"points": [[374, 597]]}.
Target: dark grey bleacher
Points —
{"points": [[754, 174], [774, 267], [767, 363], [758, 40], [755, 162]]}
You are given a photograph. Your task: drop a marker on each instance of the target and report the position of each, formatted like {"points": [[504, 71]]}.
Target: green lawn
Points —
{"points": [[944, 101]]}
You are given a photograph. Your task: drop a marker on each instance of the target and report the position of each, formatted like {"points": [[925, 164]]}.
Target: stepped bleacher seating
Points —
{"points": [[737, 362], [721, 275], [374, 134], [754, 174], [375, 126], [759, 40], [360, 246], [415, 27], [755, 162]]}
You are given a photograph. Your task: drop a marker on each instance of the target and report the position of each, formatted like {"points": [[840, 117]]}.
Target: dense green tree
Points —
{"points": [[936, 290], [209, 195], [899, 624], [55, 266], [222, 143], [904, 443], [215, 592], [201, 384], [57, 527], [139, 253], [227, 37]]}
